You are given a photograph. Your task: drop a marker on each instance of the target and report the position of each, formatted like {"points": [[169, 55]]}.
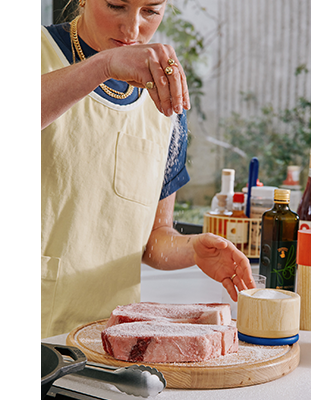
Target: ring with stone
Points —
{"points": [[149, 85]]}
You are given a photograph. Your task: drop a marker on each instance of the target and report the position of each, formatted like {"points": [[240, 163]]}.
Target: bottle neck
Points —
{"points": [[281, 206], [238, 207], [227, 184]]}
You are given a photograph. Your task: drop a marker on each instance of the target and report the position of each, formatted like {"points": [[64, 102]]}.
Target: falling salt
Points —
{"points": [[174, 147]]}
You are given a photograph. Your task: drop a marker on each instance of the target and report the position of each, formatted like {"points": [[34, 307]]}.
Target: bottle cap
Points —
{"points": [[228, 172], [304, 247], [282, 196], [238, 197]]}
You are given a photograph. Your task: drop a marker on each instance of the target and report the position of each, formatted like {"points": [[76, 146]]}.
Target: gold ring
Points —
{"points": [[149, 85], [169, 70], [233, 276], [172, 62]]}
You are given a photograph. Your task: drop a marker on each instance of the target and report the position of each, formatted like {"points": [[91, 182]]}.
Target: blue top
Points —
{"points": [[176, 174]]}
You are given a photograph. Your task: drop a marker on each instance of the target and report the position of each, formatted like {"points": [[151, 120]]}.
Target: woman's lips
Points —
{"points": [[123, 43]]}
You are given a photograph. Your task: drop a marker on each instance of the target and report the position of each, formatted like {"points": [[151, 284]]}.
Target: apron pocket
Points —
{"points": [[143, 157], [50, 267]]}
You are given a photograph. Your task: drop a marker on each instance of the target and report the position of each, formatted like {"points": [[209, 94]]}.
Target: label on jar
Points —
{"points": [[237, 231], [256, 212], [304, 224]]}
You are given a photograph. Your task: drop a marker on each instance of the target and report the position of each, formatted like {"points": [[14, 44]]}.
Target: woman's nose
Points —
{"points": [[130, 27]]}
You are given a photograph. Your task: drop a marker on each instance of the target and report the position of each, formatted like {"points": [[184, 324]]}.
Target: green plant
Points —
{"points": [[277, 139]]}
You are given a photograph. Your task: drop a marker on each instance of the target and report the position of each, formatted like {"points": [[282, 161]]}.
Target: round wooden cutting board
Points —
{"points": [[250, 366]]}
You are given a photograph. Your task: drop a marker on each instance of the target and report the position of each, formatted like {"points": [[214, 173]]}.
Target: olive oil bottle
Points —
{"points": [[279, 232]]}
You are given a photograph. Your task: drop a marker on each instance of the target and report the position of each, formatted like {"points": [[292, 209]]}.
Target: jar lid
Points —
{"points": [[304, 247], [282, 196], [238, 197], [263, 191]]}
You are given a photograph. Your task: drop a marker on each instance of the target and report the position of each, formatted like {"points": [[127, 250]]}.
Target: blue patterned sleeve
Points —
{"points": [[176, 174]]}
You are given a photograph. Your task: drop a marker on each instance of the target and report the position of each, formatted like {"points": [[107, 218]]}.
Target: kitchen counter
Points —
{"points": [[189, 286]]}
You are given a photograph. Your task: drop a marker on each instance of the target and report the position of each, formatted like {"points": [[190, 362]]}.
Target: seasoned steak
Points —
{"points": [[215, 313], [158, 342]]}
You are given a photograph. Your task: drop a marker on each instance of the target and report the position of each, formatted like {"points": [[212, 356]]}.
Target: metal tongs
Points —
{"points": [[136, 380]]}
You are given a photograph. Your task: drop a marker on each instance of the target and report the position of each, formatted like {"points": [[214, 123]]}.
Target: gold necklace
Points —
{"points": [[75, 44]]}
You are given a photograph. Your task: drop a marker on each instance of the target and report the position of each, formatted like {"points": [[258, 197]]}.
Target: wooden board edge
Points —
{"points": [[208, 377]]}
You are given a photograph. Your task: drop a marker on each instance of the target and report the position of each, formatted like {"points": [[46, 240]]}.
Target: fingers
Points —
{"points": [[228, 284], [243, 269], [232, 283], [170, 93], [178, 87], [160, 94], [147, 63]]}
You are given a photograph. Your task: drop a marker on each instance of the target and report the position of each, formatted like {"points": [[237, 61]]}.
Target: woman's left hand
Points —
{"points": [[221, 260]]}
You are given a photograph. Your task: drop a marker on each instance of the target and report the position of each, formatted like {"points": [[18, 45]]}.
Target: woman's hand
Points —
{"points": [[221, 260], [135, 64], [217, 257], [139, 64]]}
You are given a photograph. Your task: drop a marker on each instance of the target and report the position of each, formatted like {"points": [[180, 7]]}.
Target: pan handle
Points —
{"points": [[69, 366], [62, 366]]}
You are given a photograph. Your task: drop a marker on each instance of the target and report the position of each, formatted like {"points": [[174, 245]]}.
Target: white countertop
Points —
{"points": [[190, 286]]}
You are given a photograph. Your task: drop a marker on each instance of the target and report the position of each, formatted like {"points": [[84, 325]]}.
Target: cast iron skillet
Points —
{"points": [[53, 366]]}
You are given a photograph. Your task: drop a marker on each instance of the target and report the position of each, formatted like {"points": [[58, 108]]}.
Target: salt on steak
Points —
{"points": [[215, 313], [160, 342]]}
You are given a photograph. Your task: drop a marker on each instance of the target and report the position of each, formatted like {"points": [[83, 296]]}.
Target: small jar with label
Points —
{"points": [[261, 201], [237, 228], [219, 223]]}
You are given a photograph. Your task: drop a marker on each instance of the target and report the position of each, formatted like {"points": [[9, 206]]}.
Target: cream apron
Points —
{"points": [[102, 174]]}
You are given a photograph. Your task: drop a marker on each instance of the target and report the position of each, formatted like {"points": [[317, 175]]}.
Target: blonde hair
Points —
{"points": [[71, 13]]}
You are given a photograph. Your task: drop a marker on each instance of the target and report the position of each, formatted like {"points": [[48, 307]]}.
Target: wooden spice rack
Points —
{"points": [[227, 228]]}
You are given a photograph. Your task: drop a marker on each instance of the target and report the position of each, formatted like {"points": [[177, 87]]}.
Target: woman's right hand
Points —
{"points": [[135, 64], [139, 64]]}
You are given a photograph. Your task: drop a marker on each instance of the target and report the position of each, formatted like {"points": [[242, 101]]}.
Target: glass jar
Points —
{"points": [[261, 201]]}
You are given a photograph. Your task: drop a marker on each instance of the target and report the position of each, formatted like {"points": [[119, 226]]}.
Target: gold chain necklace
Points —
{"points": [[75, 44]]}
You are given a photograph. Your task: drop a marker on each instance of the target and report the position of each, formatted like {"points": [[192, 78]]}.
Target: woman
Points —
{"points": [[113, 156]]}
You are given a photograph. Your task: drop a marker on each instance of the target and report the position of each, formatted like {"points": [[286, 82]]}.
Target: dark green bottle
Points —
{"points": [[279, 232]]}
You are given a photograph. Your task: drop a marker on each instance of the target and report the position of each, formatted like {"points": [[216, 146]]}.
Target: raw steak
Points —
{"points": [[160, 342], [215, 313]]}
